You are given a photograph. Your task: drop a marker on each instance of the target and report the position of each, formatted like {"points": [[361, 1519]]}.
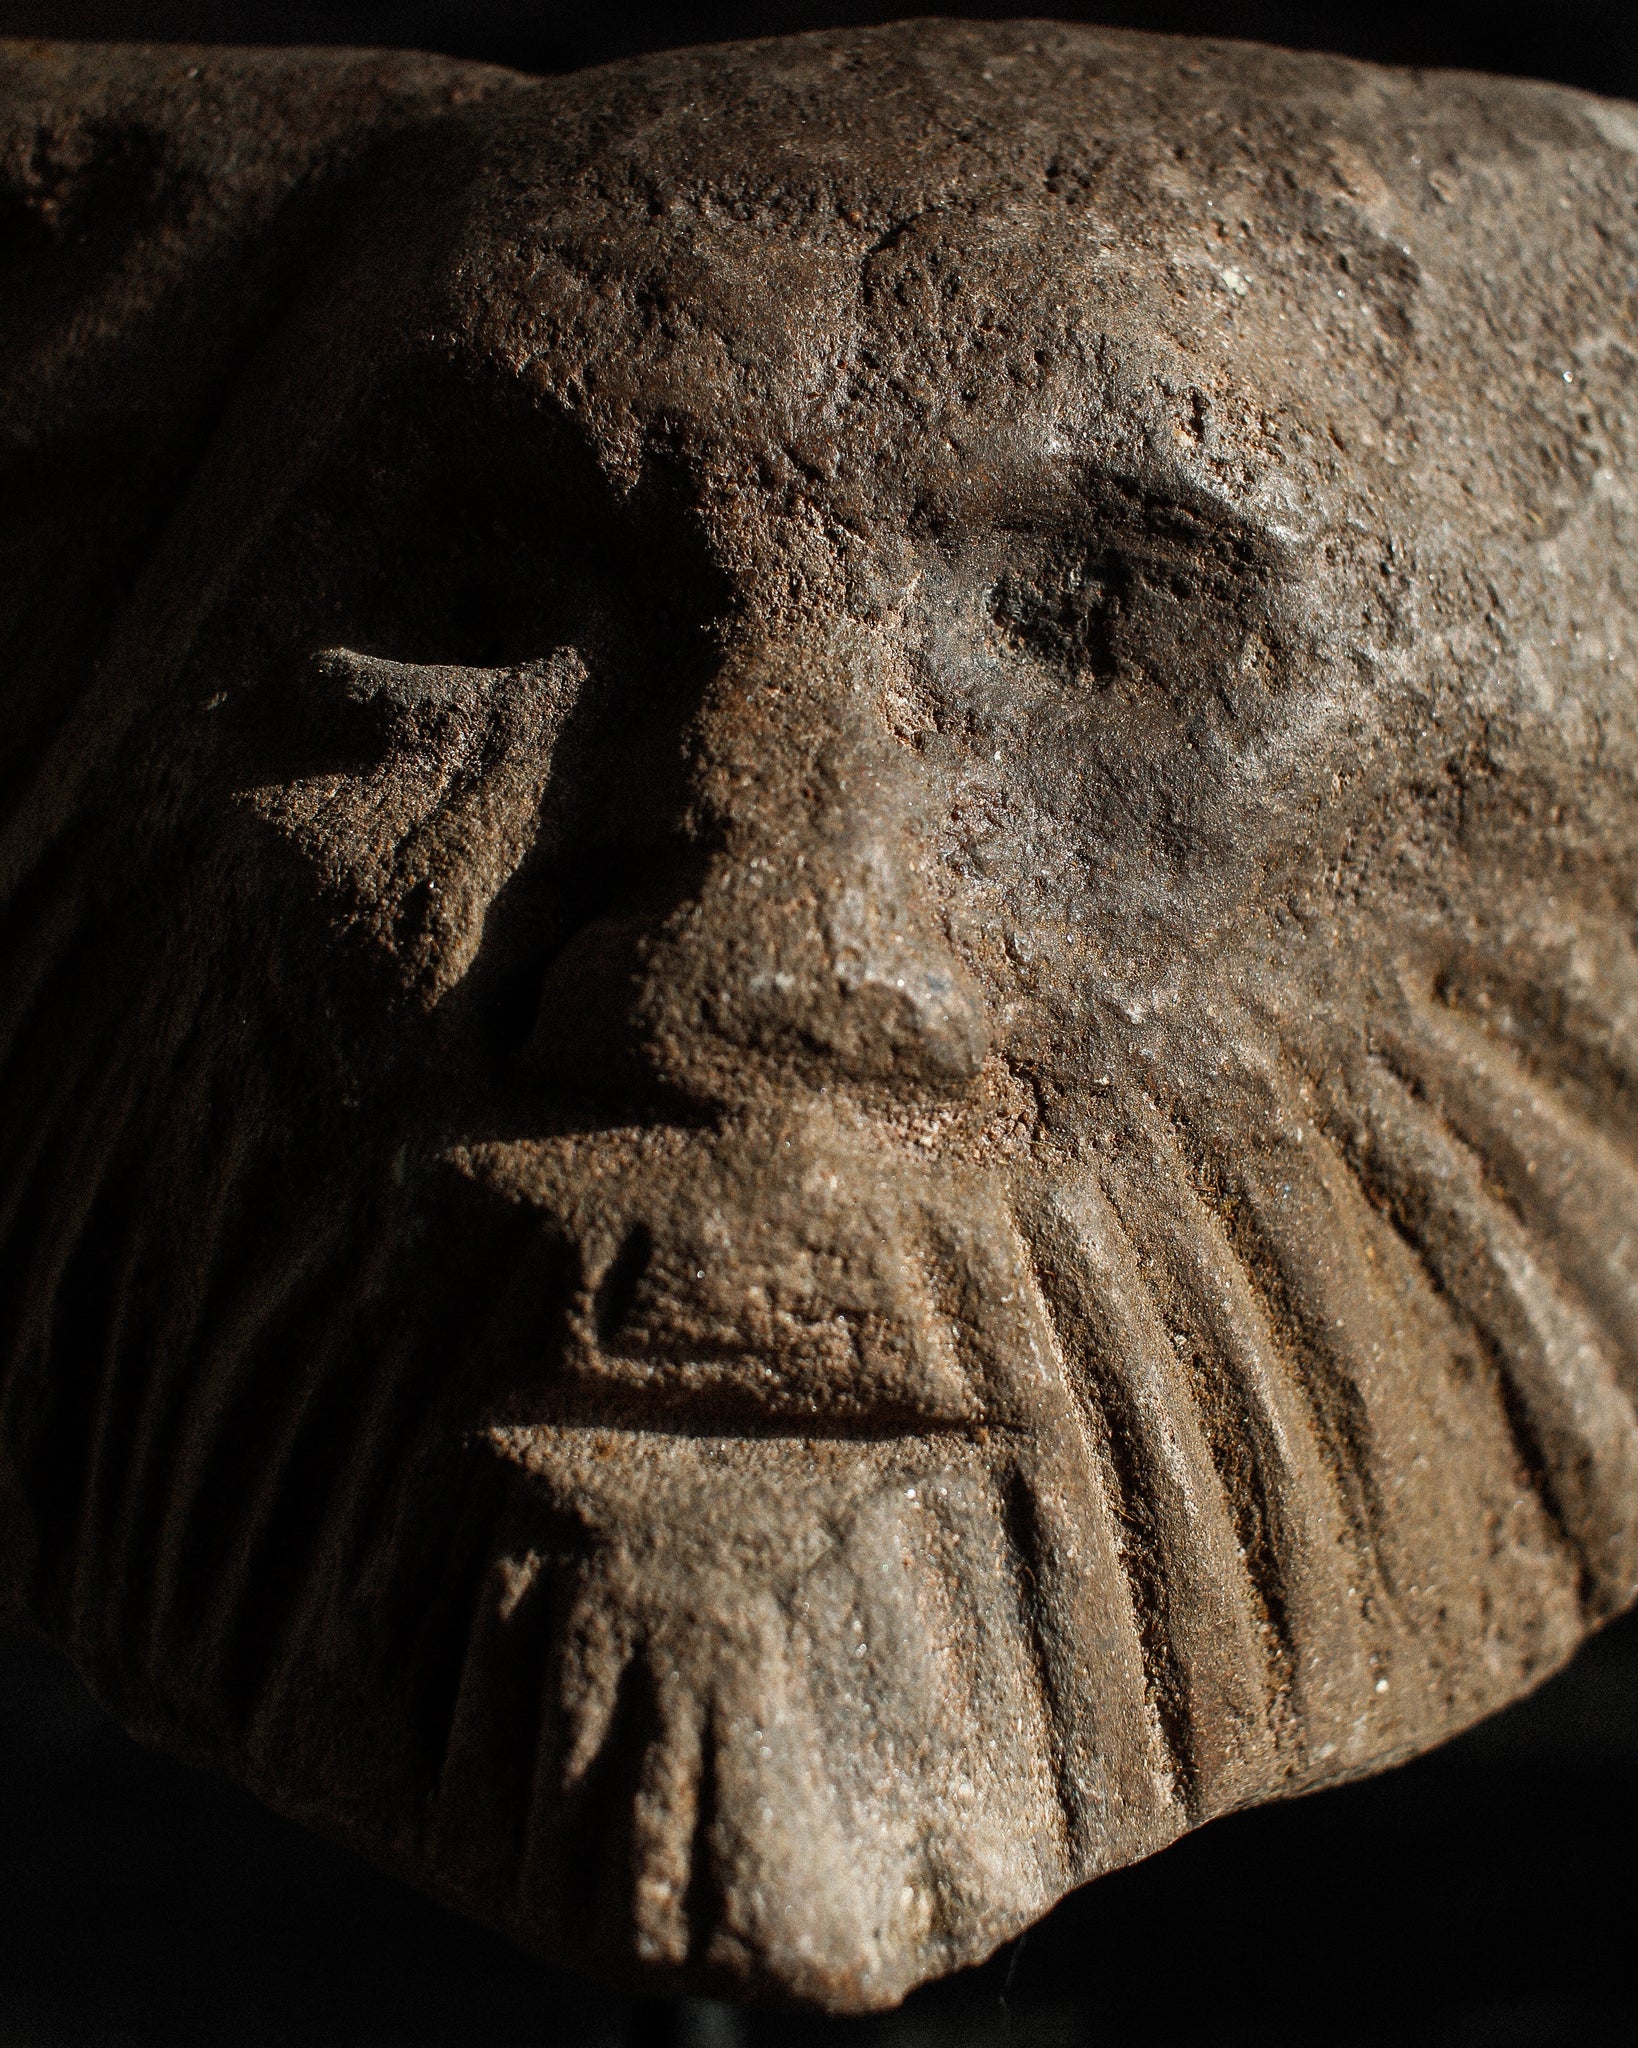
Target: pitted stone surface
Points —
{"points": [[818, 995]]}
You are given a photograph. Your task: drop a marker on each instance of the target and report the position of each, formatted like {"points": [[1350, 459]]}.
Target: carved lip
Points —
{"points": [[720, 1409], [878, 1388], [841, 1375], [705, 1303]]}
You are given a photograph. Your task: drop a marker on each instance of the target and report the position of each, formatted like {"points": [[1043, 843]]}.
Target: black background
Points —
{"points": [[1583, 42], [1482, 1897]]}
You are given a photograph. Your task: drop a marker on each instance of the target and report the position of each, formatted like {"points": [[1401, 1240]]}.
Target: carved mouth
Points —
{"points": [[774, 1289], [662, 1341], [695, 1401]]}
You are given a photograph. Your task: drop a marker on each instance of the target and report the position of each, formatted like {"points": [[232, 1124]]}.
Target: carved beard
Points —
{"points": [[771, 1265]]}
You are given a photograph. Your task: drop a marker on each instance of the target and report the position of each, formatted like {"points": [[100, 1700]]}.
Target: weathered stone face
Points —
{"points": [[819, 1092]]}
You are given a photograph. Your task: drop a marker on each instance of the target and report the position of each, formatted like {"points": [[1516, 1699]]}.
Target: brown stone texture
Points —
{"points": [[818, 988]]}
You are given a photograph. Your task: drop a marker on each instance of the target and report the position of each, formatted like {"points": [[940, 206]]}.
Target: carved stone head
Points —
{"points": [[820, 1012]]}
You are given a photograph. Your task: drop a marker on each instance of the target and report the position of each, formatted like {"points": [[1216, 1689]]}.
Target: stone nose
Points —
{"points": [[817, 936], [812, 937]]}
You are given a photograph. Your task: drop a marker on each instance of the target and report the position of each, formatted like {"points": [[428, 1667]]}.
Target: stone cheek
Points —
{"points": [[816, 1016]]}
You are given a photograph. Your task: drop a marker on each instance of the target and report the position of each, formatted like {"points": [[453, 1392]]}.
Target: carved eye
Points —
{"points": [[435, 801], [1066, 613], [1173, 609]]}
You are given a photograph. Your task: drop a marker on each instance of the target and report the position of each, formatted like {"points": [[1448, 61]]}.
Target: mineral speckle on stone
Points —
{"points": [[818, 989]]}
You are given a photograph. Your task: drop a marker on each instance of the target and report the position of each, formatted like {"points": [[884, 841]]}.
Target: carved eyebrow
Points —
{"points": [[393, 688], [1005, 486], [1000, 482]]}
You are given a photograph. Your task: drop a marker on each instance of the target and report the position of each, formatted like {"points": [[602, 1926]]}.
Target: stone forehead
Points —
{"points": [[1290, 278], [824, 133]]}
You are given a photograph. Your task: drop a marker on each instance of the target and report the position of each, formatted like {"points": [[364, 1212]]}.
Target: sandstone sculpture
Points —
{"points": [[818, 998]]}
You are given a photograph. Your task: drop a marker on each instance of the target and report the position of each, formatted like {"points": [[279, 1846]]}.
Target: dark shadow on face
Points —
{"points": [[459, 534]]}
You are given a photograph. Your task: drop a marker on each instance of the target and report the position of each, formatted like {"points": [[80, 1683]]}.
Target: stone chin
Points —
{"points": [[824, 1004]]}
